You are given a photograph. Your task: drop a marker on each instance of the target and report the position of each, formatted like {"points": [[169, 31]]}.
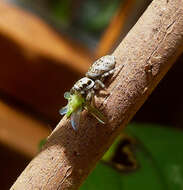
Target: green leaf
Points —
{"points": [[159, 157], [103, 178], [163, 147]]}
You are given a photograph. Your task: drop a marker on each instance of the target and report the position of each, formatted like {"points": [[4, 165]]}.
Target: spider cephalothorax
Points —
{"points": [[93, 79], [85, 87]]}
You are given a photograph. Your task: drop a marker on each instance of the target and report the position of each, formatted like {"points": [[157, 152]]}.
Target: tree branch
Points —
{"points": [[147, 52]]}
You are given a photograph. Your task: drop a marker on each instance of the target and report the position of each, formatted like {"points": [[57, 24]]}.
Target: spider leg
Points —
{"points": [[108, 73], [82, 92], [92, 97], [89, 95], [118, 69], [98, 84]]}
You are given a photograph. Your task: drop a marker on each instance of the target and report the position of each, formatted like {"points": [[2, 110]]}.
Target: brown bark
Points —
{"points": [[147, 52]]}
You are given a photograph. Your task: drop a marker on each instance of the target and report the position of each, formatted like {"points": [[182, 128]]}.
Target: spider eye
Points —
{"points": [[84, 85], [89, 82]]}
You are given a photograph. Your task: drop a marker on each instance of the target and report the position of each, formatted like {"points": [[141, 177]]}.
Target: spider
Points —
{"points": [[93, 79], [83, 91]]}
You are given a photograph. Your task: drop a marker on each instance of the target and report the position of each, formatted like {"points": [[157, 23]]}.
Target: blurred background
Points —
{"points": [[45, 46]]}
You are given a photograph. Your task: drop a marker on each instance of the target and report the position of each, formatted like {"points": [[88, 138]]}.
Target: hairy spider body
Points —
{"points": [[85, 87], [93, 79], [102, 67]]}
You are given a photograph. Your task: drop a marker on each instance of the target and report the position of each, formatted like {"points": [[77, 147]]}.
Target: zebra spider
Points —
{"points": [[93, 79], [82, 93]]}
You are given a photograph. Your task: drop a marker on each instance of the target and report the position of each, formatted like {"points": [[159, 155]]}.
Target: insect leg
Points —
{"points": [[99, 116]]}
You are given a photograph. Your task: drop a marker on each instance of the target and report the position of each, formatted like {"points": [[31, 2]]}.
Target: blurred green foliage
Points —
{"points": [[89, 16], [61, 10], [159, 158], [95, 15], [92, 15]]}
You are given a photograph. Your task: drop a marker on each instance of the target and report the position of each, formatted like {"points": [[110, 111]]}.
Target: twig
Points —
{"points": [[147, 52]]}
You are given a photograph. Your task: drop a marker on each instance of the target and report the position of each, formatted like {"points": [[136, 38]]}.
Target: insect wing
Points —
{"points": [[75, 118], [99, 116], [63, 110]]}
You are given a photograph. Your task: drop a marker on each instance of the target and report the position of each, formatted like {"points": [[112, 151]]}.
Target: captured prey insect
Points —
{"points": [[81, 95], [76, 104]]}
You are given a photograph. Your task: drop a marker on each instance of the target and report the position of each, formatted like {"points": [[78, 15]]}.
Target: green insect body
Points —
{"points": [[76, 103]]}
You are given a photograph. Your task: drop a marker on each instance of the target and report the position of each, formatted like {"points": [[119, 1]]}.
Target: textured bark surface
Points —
{"points": [[147, 52]]}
